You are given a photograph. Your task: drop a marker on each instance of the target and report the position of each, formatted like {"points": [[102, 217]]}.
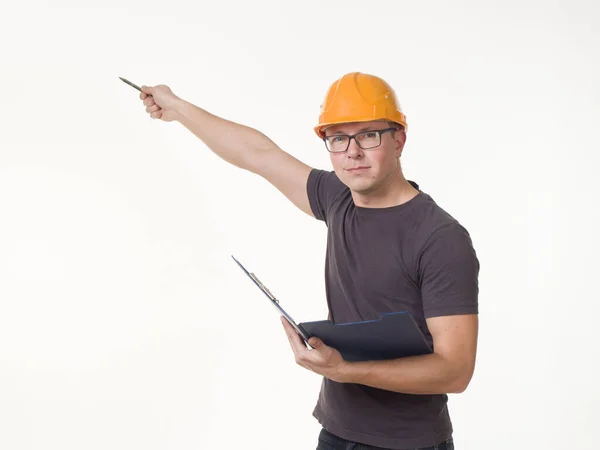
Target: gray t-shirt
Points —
{"points": [[412, 257]]}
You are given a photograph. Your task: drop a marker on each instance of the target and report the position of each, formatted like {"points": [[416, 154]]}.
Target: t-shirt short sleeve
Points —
{"points": [[448, 270], [322, 188]]}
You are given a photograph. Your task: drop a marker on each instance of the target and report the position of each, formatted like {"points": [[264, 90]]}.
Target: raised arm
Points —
{"points": [[240, 145]]}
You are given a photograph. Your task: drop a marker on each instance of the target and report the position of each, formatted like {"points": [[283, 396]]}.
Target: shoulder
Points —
{"points": [[325, 177], [432, 216], [323, 187], [446, 263], [438, 234]]}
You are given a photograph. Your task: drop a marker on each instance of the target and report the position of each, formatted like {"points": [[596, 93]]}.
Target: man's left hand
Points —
{"points": [[322, 359]]}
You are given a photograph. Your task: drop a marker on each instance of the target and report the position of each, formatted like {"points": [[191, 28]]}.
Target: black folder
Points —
{"points": [[392, 335]]}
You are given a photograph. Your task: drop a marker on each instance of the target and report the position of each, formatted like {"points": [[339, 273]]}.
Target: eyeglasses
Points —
{"points": [[339, 143]]}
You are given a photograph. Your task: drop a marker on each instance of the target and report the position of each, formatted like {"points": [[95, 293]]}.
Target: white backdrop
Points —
{"points": [[125, 324]]}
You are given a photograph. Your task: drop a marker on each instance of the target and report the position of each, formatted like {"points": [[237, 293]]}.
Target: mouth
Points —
{"points": [[359, 169]]}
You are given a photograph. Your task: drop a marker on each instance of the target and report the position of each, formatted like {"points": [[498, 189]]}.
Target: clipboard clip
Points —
{"points": [[263, 287]]}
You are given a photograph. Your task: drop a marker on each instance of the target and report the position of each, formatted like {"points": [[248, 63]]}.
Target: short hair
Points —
{"points": [[397, 126]]}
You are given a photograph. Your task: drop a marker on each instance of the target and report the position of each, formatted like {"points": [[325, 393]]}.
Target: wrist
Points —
{"points": [[356, 372], [180, 108], [348, 372]]}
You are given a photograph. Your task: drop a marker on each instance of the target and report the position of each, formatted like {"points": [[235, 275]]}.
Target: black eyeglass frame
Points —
{"points": [[353, 136]]}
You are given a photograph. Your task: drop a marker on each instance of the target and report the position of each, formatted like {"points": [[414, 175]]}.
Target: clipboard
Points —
{"points": [[392, 335], [305, 336]]}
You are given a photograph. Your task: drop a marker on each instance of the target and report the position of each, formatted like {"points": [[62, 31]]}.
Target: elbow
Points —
{"points": [[458, 388], [460, 383]]}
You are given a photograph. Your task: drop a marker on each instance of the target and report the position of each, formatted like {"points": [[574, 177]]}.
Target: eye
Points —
{"points": [[370, 135]]}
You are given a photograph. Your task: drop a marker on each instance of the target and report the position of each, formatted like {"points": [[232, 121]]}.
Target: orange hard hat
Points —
{"points": [[359, 97]]}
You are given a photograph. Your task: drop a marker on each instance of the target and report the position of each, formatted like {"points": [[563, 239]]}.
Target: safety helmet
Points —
{"points": [[359, 97]]}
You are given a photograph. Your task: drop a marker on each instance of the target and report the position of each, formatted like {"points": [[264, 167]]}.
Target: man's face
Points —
{"points": [[366, 170]]}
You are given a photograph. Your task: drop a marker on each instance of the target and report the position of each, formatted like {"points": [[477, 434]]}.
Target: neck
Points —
{"points": [[393, 193]]}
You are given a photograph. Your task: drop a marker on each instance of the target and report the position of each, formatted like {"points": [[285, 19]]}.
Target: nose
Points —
{"points": [[354, 151]]}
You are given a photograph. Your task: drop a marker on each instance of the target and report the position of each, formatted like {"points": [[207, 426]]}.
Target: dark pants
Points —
{"points": [[328, 441]]}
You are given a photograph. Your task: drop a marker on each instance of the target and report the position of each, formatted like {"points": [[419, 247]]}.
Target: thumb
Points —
{"points": [[315, 342], [147, 90]]}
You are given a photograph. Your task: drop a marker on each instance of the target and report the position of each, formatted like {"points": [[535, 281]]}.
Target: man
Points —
{"points": [[390, 247]]}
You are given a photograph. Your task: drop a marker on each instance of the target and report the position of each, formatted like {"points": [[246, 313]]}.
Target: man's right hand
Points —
{"points": [[160, 102]]}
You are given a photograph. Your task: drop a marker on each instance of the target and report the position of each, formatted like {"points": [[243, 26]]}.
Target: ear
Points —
{"points": [[400, 138]]}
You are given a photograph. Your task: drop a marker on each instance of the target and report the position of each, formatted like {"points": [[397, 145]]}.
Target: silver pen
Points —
{"points": [[135, 86]]}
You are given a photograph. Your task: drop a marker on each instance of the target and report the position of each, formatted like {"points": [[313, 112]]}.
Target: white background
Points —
{"points": [[125, 324]]}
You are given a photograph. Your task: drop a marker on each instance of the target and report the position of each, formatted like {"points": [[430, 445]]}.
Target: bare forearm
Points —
{"points": [[235, 143], [426, 374]]}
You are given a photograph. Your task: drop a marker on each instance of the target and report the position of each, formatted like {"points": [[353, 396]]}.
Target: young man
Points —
{"points": [[390, 247]]}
